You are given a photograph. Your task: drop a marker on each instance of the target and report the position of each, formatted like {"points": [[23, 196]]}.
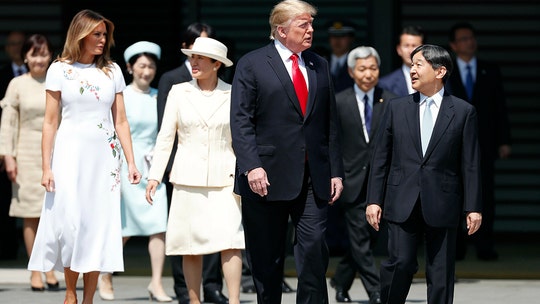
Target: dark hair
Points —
{"points": [[136, 56], [38, 42], [437, 56], [193, 31], [459, 26], [413, 30]]}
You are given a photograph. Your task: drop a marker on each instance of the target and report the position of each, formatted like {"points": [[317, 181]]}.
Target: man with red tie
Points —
{"points": [[288, 154]]}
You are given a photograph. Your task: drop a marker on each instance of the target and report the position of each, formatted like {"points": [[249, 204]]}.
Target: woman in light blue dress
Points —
{"points": [[138, 217]]}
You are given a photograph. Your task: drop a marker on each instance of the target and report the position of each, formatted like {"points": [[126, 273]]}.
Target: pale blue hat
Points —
{"points": [[142, 47]]}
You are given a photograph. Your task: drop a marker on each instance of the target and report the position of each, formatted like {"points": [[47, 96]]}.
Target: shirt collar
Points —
{"points": [[360, 94], [437, 98], [462, 65], [285, 53]]}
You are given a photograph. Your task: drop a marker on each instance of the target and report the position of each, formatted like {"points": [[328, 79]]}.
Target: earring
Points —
{"points": [[130, 72], [215, 69], [26, 61]]}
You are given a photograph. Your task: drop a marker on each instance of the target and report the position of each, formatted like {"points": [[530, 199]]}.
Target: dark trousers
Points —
{"points": [[212, 276], [484, 239], [265, 230], [359, 258], [398, 270], [8, 225]]}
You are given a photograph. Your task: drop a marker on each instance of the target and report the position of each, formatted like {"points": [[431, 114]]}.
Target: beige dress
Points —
{"points": [[205, 215], [23, 109]]}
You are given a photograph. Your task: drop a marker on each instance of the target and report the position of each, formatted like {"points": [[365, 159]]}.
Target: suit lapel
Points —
{"points": [[351, 106], [445, 116], [413, 121], [277, 65], [312, 80], [377, 110]]}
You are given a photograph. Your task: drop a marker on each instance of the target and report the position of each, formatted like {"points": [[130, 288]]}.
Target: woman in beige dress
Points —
{"points": [[23, 109], [205, 214]]}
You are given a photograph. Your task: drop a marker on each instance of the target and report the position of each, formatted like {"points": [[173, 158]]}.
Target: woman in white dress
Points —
{"points": [[205, 215], [80, 225], [138, 217], [20, 140]]}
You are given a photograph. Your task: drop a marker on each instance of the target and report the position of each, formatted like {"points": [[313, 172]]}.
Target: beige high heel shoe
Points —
{"points": [[159, 298], [105, 289]]}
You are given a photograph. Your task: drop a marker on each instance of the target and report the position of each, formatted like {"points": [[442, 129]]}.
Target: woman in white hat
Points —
{"points": [[138, 217], [205, 215]]}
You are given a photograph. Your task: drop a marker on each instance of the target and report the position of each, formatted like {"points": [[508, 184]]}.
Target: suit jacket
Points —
{"points": [[395, 82], [342, 80], [446, 179], [204, 156], [166, 81], [490, 102], [269, 130], [356, 151], [6, 74]]}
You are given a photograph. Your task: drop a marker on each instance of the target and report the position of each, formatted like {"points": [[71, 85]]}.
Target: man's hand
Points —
{"points": [[336, 188], [474, 220], [258, 181], [373, 215]]}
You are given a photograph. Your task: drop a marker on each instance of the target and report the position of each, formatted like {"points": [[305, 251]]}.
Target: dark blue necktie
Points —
{"points": [[367, 114], [469, 83]]}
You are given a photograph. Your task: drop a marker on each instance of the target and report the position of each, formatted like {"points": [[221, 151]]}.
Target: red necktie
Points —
{"points": [[299, 83]]}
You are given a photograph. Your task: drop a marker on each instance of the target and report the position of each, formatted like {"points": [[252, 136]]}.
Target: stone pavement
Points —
{"points": [[132, 289]]}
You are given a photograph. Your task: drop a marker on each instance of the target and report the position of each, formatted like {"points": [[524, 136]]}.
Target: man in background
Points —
{"points": [[8, 225], [480, 83], [399, 81], [360, 109], [341, 39]]}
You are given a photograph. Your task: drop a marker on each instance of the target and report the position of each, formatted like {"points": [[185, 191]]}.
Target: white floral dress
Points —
{"points": [[80, 225]]}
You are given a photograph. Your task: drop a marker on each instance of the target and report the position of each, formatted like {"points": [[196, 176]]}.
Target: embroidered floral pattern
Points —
{"points": [[70, 74], [114, 144], [116, 177], [85, 85]]}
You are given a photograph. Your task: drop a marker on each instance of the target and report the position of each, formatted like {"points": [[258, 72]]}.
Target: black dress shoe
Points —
{"points": [[53, 286], [285, 288], [183, 300], [215, 296], [342, 296], [488, 255], [375, 298], [248, 288]]}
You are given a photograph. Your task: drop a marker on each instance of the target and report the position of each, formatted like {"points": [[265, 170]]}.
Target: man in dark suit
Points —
{"points": [[488, 97], [285, 135], [340, 38], [8, 225], [425, 172], [212, 277], [360, 109], [399, 80]]}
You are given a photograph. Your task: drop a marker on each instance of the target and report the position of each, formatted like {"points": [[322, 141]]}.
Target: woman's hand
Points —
{"points": [[11, 167], [134, 174], [151, 190], [47, 180]]}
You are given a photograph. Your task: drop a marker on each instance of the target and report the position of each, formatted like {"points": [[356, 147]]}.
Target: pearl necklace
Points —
{"points": [[207, 93]]}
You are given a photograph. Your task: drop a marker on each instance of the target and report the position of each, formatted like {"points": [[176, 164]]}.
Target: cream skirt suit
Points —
{"points": [[205, 215]]}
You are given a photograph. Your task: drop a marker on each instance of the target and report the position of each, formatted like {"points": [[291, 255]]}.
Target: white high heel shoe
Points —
{"points": [[106, 295], [159, 298]]}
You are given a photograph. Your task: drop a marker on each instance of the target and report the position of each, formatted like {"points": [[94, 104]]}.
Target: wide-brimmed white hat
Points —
{"points": [[142, 47], [209, 47]]}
